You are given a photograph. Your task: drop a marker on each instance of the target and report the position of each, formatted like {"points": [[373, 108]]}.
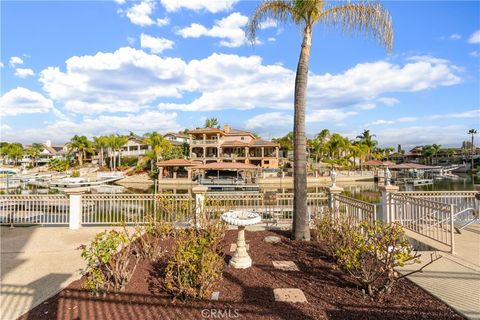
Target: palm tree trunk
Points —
{"points": [[300, 227], [473, 153]]}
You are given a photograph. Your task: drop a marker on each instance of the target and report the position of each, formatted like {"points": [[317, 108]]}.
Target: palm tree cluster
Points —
{"points": [[12, 151]]}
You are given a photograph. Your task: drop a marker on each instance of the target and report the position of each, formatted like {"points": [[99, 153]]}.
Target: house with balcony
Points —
{"points": [[232, 145], [135, 147], [177, 139]]}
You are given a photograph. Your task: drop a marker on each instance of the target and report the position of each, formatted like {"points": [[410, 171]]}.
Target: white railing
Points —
{"points": [[212, 141], [432, 219], [357, 209], [270, 206], [34, 209], [460, 199], [136, 208]]}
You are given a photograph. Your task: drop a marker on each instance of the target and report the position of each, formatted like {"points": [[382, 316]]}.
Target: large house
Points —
{"points": [[177, 139], [231, 145]]}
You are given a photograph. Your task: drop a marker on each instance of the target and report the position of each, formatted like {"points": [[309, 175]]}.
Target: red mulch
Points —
{"points": [[248, 294]]}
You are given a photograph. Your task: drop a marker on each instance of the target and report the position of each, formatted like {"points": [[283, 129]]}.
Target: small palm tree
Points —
{"points": [[100, 143], [81, 146], [362, 17], [472, 132], [367, 139], [212, 123], [34, 151]]}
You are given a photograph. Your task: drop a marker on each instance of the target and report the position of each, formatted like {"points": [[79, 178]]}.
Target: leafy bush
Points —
{"points": [[368, 252], [59, 165], [75, 174], [148, 237], [197, 262], [111, 262]]}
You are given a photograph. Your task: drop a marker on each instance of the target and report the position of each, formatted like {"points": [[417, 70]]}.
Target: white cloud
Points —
{"points": [[229, 28], [119, 1], [15, 60], [328, 115], [474, 53], [268, 23], [21, 100], [121, 81], [238, 82], [388, 101], [379, 122], [269, 119], [470, 114], [156, 45], [24, 72], [407, 119], [455, 36], [162, 22], [271, 39], [63, 130], [212, 6], [139, 14], [1, 64], [475, 37]]}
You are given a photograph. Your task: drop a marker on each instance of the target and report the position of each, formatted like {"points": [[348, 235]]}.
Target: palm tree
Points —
{"points": [[435, 149], [159, 144], [362, 17], [367, 139], [472, 132], [212, 123], [81, 146], [34, 151], [100, 143], [115, 143]]}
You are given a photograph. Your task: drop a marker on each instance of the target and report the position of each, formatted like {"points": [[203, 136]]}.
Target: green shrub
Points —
{"points": [[368, 252], [197, 262], [148, 237], [110, 260], [59, 165], [75, 174]]}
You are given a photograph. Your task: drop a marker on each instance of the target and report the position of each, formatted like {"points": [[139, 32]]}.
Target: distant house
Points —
{"points": [[232, 145], [135, 147], [177, 138], [50, 151]]}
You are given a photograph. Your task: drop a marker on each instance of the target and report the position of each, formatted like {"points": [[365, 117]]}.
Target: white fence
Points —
{"points": [[432, 219], [357, 209], [34, 209]]}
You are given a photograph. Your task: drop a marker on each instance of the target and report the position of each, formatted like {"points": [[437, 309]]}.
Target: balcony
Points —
{"points": [[204, 142]]}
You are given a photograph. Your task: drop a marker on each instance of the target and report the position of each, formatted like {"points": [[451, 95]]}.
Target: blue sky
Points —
{"points": [[88, 67]]}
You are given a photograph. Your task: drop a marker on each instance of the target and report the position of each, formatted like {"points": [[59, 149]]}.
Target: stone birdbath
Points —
{"points": [[241, 219]]}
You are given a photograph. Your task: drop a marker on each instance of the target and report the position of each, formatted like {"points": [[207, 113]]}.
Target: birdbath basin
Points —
{"points": [[241, 219]]}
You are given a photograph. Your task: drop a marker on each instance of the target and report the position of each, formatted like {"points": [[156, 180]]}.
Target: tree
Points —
{"points": [[472, 132], [13, 151], [212, 123], [160, 146], [115, 143], [362, 17], [81, 146], [34, 151], [100, 143], [435, 148], [367, 139], [285, 142]]}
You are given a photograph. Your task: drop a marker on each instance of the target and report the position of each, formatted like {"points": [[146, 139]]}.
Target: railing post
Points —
{"points": [[75, 201], [452, 233], [388, 208], [199, 193], [332, 202]]}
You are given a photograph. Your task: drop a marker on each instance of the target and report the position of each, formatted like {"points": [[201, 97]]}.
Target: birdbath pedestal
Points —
{"points": [[241, 219]]}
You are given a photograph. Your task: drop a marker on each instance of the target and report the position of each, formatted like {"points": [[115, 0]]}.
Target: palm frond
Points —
{"points": [[279, 10], [367, 18]]}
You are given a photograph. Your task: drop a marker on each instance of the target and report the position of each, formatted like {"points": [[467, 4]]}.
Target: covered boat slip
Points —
{"points": [[227, 176]]}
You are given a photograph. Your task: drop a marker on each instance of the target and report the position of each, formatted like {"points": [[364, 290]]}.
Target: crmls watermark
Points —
{"points": [[220, 313]]}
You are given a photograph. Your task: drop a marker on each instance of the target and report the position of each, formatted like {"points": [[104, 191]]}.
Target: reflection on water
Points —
{"points": [[363, 190]]}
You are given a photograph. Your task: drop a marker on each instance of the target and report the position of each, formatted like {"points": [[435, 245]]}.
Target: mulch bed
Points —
{"points": [[248, 294]]}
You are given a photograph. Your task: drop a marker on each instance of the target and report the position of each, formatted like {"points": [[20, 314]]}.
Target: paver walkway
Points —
{"points": [[455, 279], [37, 263]]}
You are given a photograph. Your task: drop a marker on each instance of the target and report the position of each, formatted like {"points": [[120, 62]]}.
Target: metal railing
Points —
{"points": [[207, 141], [136, 208], [270, 206], [432, 219], [357, 209], [460, 199], [34, 209]]}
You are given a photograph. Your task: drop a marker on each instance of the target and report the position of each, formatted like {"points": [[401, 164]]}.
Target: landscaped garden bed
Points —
{"points": [[248, 293]]}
